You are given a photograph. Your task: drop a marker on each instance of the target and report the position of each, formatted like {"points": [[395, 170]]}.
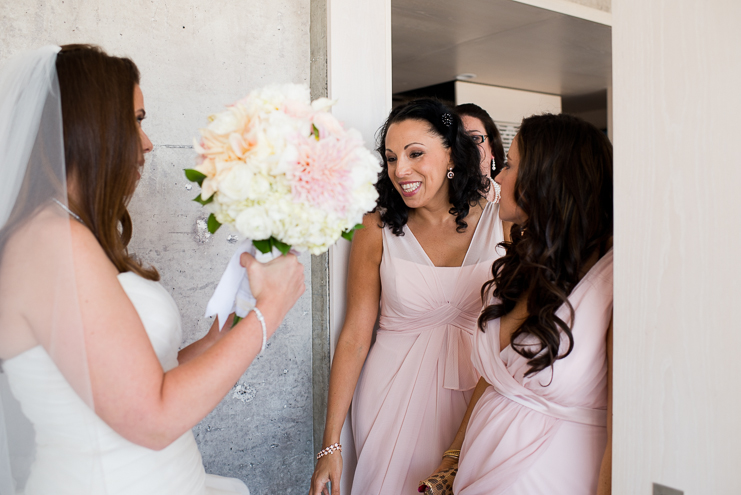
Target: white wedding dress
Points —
{"points": [[78, 453]]}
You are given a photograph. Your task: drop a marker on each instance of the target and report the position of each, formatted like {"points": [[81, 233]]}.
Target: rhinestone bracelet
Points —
{"points": [[335, 447]]}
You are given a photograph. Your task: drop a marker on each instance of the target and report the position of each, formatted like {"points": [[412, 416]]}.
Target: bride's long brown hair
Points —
{"points": [[101, 145], [564, 189], [101, 152]]}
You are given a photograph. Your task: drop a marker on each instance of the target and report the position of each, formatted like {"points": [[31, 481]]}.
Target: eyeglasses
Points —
{"points": [[478, 138]]}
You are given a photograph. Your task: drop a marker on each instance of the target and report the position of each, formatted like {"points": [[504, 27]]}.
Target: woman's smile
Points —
{"points": [[409, 189], [417, 163]]}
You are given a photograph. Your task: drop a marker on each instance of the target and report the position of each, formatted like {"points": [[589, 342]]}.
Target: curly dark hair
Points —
{"points": [[467, 187], [564, 189], [494, 139]]}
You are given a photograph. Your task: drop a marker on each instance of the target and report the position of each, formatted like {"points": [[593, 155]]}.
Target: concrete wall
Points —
{"points": [[196, 57], [677, 414]]}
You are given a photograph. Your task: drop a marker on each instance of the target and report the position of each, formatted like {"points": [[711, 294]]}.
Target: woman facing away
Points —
{"points": [[539, 422], [88, 337], [422, 255]]}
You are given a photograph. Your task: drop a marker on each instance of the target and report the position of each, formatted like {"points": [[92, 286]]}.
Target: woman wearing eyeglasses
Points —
{"points": [[480, 126]]}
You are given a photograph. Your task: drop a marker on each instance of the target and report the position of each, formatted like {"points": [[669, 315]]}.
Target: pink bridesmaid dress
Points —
{"points": [[418, 378], [544, 433]]}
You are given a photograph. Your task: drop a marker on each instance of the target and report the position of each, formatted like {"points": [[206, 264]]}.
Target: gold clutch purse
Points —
{"points": [[440, 483]]}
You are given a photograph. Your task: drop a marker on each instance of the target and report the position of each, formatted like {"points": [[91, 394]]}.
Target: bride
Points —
{"points": [[103, 402]]}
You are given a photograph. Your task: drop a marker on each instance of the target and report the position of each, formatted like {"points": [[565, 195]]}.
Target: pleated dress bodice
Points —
{"points": [[418, 377], [544, 432]]}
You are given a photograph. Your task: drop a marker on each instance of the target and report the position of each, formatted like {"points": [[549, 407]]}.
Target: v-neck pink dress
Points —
{"points": [[418, 377], [544, 433]]}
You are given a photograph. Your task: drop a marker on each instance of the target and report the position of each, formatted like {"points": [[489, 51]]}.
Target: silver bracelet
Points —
{"points": [[258, 313]]}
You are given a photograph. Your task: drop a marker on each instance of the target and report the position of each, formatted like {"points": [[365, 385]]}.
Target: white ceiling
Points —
{"points": [[503, 42]]}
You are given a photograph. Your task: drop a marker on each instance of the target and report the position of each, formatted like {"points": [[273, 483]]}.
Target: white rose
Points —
{"points": [[224, 123], [254, 223], [322, 104], [237, 183]]}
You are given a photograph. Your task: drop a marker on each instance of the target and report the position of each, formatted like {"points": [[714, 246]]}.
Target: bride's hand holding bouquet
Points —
{"points": [[284, 173]]}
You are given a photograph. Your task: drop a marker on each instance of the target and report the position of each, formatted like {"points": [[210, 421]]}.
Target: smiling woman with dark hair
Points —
{"points": [[466, 186], [422, 255]]}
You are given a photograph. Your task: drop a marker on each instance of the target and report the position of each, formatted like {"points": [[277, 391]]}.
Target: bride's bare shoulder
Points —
{"points": [[48, 240], [38, 267]]}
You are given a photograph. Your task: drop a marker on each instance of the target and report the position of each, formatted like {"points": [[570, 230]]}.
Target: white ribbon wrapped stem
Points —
{"points": [[233, 294]]}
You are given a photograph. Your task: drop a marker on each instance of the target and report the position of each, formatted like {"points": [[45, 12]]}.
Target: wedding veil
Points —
{"points": [[39, 311]]}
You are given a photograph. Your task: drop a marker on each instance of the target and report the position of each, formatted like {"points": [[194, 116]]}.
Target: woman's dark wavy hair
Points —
{"points": [[467, 187], [564, 189], [494, 139]]}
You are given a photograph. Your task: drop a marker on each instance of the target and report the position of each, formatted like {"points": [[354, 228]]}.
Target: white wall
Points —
{"points": [[677, 416], [505, 104], [592, 10], [359, 77]]}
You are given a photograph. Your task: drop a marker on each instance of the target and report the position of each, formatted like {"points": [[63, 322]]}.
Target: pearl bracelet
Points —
{"points": [[261, 319], [335, 447]]}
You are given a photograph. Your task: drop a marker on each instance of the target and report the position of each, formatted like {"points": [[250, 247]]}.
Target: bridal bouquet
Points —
{"points": [[283, 172]]}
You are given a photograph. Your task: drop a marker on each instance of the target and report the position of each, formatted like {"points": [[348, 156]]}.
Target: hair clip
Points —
{"points": [[447, 119]]}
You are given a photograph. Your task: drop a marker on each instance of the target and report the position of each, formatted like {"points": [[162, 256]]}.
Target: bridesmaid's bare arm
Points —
{"points": [[363, 295], [604, 486], [461, 435]]}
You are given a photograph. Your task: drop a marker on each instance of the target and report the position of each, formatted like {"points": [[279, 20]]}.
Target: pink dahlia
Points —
{"points": [[321, 175]]}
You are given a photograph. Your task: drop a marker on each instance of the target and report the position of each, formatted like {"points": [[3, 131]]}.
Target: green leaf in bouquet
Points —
{"points": [[194, 175], [282, 246], [213, 224], [266, 245], [315, 132], [349, 233], [203, 202], [236, 320], [263, 246]]}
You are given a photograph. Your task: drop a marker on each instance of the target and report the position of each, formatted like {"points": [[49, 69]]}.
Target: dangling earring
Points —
{"points": [[493, 165], [450, 173], [497, 190]]}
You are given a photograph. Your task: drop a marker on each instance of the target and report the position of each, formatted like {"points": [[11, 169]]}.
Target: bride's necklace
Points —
{"points": [[72, 213]]}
